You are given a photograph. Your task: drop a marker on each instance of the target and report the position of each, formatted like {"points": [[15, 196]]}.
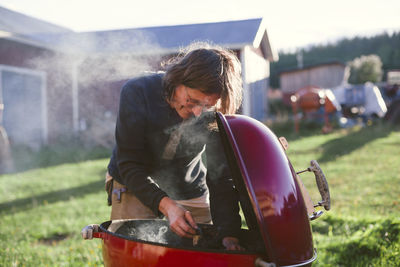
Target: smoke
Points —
{"points": [[187, 141], [198, 138], [107, 55], [78, 78], [150, 232], [203, 130], [158, 231]]}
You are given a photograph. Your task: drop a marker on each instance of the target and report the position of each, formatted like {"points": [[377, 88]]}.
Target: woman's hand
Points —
{"points": [[180, 220], [231, 243]]}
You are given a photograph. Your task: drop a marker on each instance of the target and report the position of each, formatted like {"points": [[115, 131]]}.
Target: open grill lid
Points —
{"points": [[270, 197]]}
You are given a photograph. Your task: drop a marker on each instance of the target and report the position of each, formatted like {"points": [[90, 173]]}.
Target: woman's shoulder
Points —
{"points": [[145, 80], [146, 84]]}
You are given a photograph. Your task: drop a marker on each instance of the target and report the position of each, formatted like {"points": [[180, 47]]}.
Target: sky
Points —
{"points": [[291, 24]]}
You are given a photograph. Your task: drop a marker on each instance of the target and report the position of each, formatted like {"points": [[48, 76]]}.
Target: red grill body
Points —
{"points": [[271, 201], [118, 251]]}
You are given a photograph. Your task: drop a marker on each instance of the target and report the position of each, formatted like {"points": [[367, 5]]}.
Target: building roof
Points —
{"points": [[167, 39], [229, 33], [18, 23]]}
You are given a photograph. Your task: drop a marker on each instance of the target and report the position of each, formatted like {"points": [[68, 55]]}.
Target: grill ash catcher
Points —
{"points": [[274, 201]]}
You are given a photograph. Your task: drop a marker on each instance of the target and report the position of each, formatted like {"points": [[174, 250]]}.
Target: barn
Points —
{"points": [[57, 83]]}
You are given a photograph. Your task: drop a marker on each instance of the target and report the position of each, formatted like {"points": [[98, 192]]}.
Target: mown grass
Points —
{"points": [[43, 209], [362, 168]]}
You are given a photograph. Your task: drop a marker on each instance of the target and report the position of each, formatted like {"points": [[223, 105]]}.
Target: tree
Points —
{"points": [[365, 69]]}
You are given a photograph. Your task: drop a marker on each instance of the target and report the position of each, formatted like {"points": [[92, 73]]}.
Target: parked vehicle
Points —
{"points": [[316, 104], [362, 100]]}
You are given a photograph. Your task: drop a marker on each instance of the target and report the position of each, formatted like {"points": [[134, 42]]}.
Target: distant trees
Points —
{"points": [[385, 45], [365, 69]]}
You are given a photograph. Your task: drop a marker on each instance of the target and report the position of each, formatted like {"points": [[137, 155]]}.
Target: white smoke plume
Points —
{"points": [[84, 75]]}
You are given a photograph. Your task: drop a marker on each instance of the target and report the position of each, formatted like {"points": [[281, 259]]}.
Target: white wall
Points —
{"points": [[255, 70]]}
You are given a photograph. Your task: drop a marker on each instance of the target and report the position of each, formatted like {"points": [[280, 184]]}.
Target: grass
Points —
{"points": [[362, 168], [65, 150], [43, 209]]}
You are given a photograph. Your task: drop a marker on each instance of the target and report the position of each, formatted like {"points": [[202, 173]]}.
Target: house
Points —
{"points": [[326, 75], [26, 87], [56, 82]]}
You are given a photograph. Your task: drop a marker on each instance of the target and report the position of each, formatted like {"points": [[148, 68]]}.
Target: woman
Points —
{"points": [[168, 160]]}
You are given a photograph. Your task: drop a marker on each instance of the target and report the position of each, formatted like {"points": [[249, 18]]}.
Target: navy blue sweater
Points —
{"points": [[195, 163]]}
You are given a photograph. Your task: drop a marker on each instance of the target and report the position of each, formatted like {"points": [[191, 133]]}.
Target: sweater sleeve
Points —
{"points": [[133, 158], [224, 199]]}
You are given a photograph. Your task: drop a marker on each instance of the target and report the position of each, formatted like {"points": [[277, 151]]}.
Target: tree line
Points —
{"points": [[385, 45]]}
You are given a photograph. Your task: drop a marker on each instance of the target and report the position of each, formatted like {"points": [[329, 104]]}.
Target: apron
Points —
{"points": [[124, 204]]}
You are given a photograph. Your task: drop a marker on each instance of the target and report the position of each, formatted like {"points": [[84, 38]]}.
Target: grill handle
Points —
{"points": [[322, 185], [99, 234]]}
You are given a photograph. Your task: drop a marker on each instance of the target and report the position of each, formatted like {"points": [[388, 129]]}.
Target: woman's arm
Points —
{"points": [[132, 151]]}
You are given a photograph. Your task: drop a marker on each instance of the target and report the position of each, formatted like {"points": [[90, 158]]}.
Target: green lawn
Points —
{"points": [[363, 170], [42, 210]]}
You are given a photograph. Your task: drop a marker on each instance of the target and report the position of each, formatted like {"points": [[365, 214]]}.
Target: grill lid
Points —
{"points": [[270, 197]]}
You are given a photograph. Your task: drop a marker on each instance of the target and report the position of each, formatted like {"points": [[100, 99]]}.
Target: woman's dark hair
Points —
{"points": [[212, 70]]}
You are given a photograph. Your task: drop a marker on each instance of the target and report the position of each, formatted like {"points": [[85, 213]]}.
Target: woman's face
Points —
{"points": [[189, 102]]}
